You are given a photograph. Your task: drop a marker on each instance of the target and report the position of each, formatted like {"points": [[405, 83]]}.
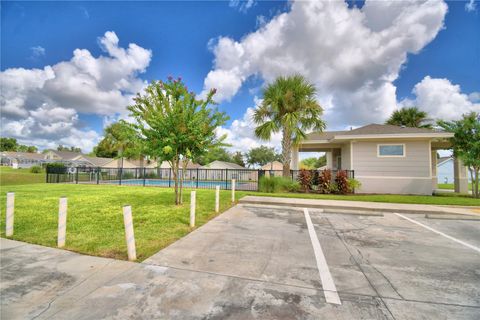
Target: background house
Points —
{"points": [[445, 169], [21, 159], [275, 165], [226, 171]]}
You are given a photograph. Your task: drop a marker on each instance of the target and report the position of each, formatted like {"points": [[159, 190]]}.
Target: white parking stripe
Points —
{"points": [[468, 245], [329, 289]]}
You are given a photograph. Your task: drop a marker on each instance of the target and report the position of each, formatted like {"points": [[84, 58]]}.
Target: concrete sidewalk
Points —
{"points": [[363, 206]]}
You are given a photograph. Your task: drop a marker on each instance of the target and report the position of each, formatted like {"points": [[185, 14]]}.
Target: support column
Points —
{"points": [[434, 170], [460, 176], [329, 156], [294, 161]]}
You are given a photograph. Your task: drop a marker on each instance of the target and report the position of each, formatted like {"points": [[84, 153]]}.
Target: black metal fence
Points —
{"points": [[245, 179]]}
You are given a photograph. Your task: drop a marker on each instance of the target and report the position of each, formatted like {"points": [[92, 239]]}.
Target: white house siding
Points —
{"points": [[399, 175]]}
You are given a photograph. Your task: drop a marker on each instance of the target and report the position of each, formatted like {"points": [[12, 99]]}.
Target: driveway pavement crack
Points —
{"points": [[360, 268]]}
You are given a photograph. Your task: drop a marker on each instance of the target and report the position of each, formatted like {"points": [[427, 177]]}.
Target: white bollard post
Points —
{"points": [[217, 199], [129, 235], [233, 190], [192, 209], [10, 210], [62, 222]]}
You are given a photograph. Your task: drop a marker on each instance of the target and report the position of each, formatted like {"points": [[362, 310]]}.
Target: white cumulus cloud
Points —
{"points": [[241, 5], [42, 106], [352, 55], [442, 100], [470, 6], [241, 133]]}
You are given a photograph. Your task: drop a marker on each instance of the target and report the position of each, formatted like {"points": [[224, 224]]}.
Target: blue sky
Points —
{"points": [[191, 39]]}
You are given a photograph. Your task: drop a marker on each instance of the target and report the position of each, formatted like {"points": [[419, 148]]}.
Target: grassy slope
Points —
{"points": [[9, 176], [95, 219]]}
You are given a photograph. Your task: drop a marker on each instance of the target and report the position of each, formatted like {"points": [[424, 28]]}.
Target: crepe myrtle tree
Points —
{"points": [[176, 126], [289, 106], [466, 144]]}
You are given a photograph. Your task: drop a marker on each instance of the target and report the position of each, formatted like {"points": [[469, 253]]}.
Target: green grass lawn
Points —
{"points": [[9, 176], [450, 186], [440, 199], [95, 218]]}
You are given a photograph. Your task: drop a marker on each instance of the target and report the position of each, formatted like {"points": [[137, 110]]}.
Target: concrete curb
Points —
{"points": [[452, 217], [377, 207]]}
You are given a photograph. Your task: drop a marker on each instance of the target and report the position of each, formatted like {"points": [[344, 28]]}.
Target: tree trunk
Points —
{"points": [[174, 167], [182, 178], [475, 190], [142, 165], [286, 152], [120, 160]]}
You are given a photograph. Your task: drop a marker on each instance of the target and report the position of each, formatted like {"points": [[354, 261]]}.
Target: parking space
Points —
{"points": [[262, 262], [386, 266]]}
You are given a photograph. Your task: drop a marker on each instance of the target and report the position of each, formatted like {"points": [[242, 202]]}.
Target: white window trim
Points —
{"points": [[391, 144]]}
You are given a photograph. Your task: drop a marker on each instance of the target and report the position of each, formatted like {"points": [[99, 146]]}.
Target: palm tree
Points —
{"points": [[289, 106], [409, 117], [122, 137]]}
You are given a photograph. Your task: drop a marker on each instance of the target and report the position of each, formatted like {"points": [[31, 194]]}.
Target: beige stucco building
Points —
{"points": [[385, 158]]}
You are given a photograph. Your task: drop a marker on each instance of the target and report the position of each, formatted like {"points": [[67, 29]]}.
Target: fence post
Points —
{"points": [[98, 175], [217, 199], [129, 235], [291, 171], [353, 177], [121, 173], [197, 178], [169, 177], [226, 179], [76, 175], [62, 222], [144, 172], [233, 191], [192, 209], [10, 211]]}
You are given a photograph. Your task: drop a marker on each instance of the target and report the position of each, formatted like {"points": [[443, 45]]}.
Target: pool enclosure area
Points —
{"points": [[245, 179]]}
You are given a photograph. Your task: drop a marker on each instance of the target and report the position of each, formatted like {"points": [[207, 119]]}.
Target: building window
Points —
{"points": [[391, 150]]}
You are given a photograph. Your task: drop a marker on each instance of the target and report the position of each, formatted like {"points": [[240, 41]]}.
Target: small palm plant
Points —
{"points": [[289, 106]]}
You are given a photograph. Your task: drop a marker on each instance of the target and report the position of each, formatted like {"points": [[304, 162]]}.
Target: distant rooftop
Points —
{"points": [[67, 155]]}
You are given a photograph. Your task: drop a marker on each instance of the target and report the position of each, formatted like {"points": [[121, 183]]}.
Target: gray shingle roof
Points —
{"points": [[23, 155], [67, 155], [222, 165], [367, 130], [443, 159], [97, 161]]}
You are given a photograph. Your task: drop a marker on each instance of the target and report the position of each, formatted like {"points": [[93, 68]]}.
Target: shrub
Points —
{"points": [[277, 184], [341, 180], [127, 175], [316, 178], [354, 184], [56, 167], [35, 169], [305, 180], [325, 181]]}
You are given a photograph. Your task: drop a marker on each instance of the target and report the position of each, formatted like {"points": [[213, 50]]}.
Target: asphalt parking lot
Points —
{"points": [[265, 263]]}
